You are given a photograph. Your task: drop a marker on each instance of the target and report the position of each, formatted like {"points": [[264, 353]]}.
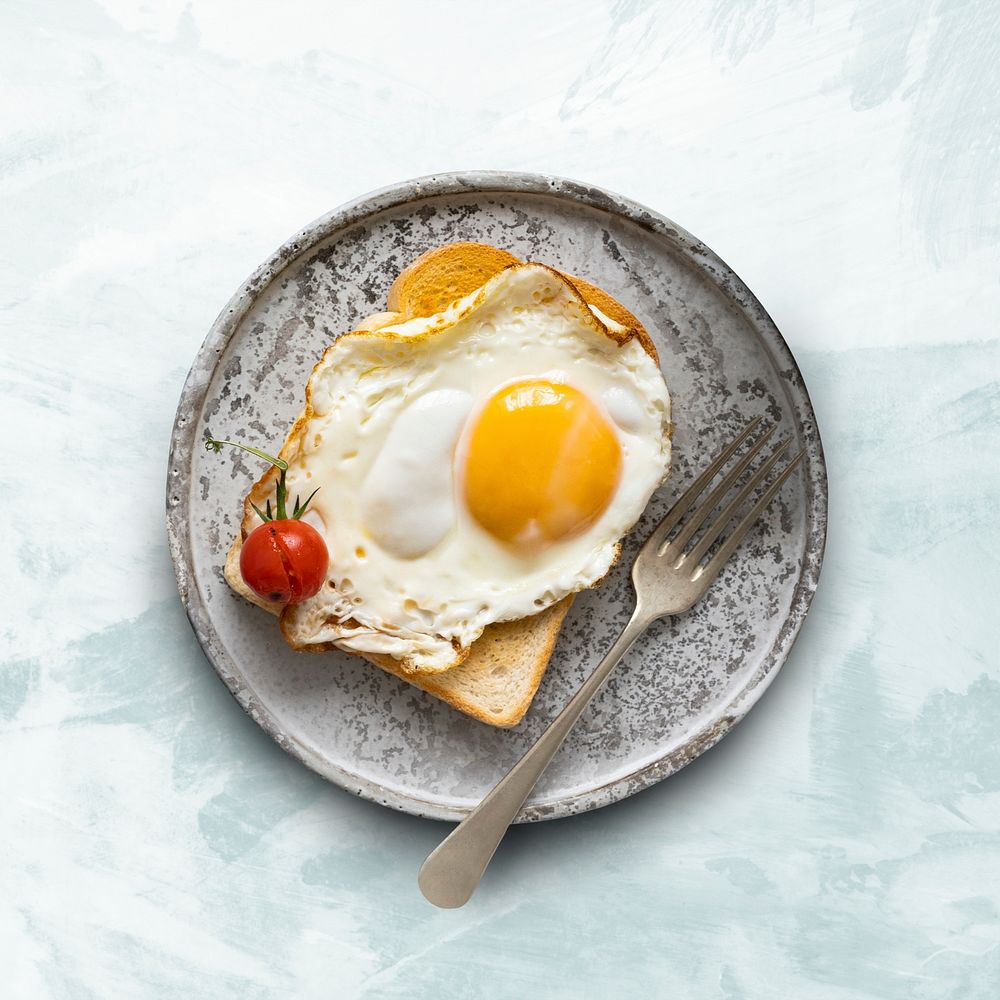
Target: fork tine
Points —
{"points": [[715, 529], [717, 495], [688, 497], [732, 543]]}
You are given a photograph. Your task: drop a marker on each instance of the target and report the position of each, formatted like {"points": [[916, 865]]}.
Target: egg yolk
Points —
{"points": [[542, 463]]}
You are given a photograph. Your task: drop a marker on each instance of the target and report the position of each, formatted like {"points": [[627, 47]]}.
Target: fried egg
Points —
{"points": [[475, 466]]}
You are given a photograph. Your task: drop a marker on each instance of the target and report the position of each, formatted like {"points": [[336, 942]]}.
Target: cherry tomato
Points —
{"points": [[284, 561]]}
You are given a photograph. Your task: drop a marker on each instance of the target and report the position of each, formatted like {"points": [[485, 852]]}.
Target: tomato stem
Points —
{"points": [[280, 497], [281, 492], [279, 463]]}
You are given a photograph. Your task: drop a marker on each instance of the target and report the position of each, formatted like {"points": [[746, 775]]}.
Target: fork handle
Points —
{"points": [[453, 869]]}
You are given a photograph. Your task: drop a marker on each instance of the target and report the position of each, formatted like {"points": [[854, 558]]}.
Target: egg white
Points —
{"points": [[412, 574]]}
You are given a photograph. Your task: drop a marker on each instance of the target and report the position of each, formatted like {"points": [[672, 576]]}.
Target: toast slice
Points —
{"points": [[497, 679]]}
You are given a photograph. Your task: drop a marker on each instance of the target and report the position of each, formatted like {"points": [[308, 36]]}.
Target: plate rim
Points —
{"points": [[194, 392]]}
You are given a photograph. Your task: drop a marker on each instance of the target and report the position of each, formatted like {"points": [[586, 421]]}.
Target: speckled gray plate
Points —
{"points": [[686, 683]]}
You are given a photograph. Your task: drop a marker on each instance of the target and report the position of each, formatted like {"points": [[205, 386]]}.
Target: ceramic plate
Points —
{"points": [[685, 684]]}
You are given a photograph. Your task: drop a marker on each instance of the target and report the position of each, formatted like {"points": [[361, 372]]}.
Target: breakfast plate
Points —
{"points": [[685, 684]]}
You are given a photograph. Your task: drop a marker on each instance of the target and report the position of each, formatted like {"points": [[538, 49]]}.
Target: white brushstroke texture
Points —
{"points": [[843, 843]]}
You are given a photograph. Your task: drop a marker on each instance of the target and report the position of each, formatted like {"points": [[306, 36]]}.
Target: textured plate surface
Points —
{"points": [[686, 682]]}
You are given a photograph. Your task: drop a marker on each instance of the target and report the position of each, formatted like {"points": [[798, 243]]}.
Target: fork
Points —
{"points": [[669, 578]]}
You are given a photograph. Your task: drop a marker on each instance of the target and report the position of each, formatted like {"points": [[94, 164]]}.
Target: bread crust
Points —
{"points": [[426, 287]]}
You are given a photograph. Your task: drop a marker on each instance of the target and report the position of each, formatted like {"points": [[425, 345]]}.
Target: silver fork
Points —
{"points": [[668, 578]]}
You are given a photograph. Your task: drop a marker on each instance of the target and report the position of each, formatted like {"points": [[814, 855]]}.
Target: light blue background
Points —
{"points": [[844, 158]]}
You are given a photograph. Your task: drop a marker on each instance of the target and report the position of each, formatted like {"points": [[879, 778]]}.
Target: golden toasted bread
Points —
{"points": [[496, 680], [437, 278]]}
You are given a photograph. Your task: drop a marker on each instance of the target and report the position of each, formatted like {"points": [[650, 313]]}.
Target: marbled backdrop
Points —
{"points": [[844, 842]]}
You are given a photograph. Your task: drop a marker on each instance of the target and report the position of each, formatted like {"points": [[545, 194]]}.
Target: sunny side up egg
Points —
{"points": [[476, 466]]}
